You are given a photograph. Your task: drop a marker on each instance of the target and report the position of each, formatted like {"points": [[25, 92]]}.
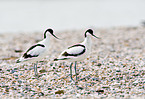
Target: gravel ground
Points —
{"points": [[114, 69]]}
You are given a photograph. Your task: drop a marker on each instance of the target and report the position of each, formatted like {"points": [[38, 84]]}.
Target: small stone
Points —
{"points": [[41, 94], [18, 50], [49, 89], [15, 68], [42, 71], [81, 88], [78, 95], [118, 70], [135, 82], [106, 86], [99, 64], [95, 79], [100, 91], [59, 92], [8, 70], [93, 61], [19, 81], [12, 71]]}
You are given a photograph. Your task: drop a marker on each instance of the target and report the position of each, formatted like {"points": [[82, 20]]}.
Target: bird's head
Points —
{"points": [[90, 32], [50, 31]]}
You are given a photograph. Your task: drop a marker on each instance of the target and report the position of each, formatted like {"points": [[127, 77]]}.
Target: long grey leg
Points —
{"points": [[76, 70], [71, 71], [36, 69]]}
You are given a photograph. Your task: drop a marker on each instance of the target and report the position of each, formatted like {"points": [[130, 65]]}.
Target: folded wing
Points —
{"points": [[34, 51]]}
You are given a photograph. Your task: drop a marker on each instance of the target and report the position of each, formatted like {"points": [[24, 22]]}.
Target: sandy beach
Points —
{"points": [[114, 69]]}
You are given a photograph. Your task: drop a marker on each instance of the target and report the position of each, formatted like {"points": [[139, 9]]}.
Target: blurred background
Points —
{"points": [[36, 15]]}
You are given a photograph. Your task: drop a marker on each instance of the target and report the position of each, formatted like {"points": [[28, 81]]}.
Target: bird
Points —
{"points": [[37, 51], [77, 52]]}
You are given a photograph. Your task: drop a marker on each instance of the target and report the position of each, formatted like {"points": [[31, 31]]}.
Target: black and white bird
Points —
{"points": [[38, 51], [77, 52]]}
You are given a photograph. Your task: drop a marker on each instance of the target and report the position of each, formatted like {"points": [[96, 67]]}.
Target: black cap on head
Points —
{"points": [[48, 30], [51, 32], [90, 31]]}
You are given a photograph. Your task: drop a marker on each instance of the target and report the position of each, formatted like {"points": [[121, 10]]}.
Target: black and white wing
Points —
{"points": [[72, 52], [33, 52]]}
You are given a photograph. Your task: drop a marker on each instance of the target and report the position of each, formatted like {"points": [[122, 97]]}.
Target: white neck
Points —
{"points": [[47, 39], [87, 42]]}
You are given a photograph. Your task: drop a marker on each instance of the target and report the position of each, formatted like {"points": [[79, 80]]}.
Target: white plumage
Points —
{"points": [[72, 52], [37, 51], [77, 52]]}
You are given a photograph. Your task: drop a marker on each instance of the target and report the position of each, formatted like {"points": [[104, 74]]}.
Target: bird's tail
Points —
{"points": [[56, 59], [18, 61]]}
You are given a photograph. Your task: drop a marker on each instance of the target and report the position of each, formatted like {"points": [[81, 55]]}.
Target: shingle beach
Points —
{"points": [[115, 68]]}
